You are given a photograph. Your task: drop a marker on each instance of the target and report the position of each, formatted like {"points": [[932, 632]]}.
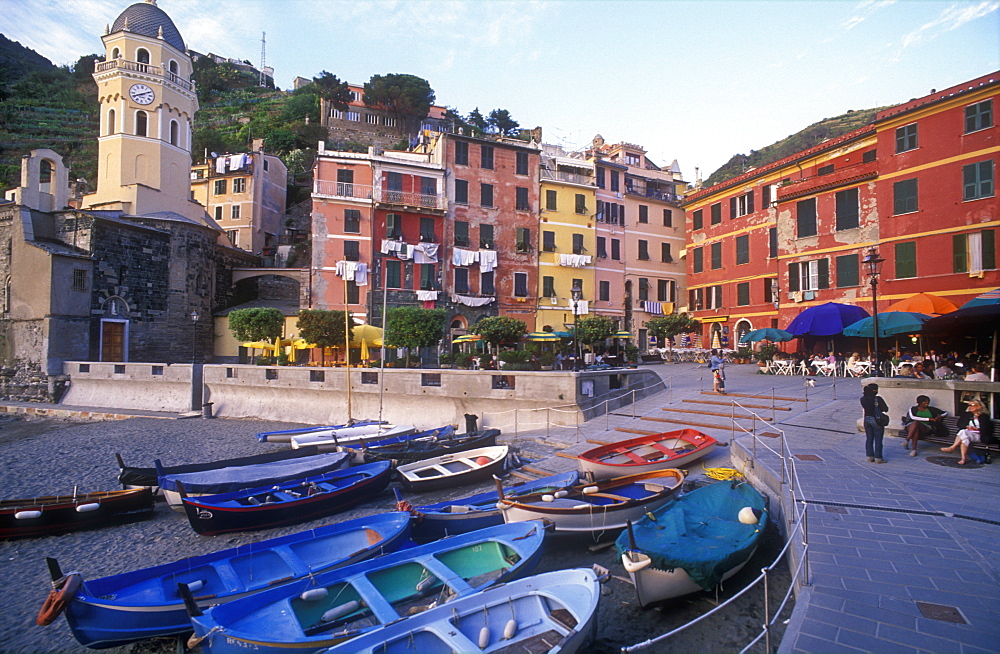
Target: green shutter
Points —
{"points": [[989, 249], [960, 253], [906, 260], [824, 273], [793, 277]]}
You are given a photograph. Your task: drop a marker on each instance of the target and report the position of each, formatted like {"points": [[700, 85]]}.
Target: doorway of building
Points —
{"points": [[113, 340]]}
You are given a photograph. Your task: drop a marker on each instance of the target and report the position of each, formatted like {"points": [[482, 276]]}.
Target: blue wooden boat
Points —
{"points": [[124, 608], [693, 543], [397, 441], [285, 435], [410, 451], [467, 514], [287, 503], [135, 476], [228, 480], [550, 612], [333, 607]]}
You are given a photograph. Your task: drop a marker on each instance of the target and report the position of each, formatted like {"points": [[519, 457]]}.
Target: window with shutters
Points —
{"points": [[353, 293], [665, 256], [663, 293], [847, 271], [548, 241], [668, 218], [805, 218], [520, 284], [743, 294], [427, 281], [486, 283], [461, 191], [393, 226], [904, 197], [523, 240], [741, 205], [461, 153], [616, 249], [462, 233], [521, 199], [352, 251], [604, 290], [486, 195], [809, 275], [461, 280], [602, 247], [548, 286], [979, 116], [240, 185], [643, 289], [393, 273], [772, 242], [352, 221], [742, 249], [697, 219], [716, 211], [906, 138], [906, 259], [698, 260], [220, 187], [977, 180], [847, 209], [578, 244], [234, 212], [716, 255], [427, 229], [643, 213], [486, 236], [581, 203], [521, 163], [551, 203], [974, 251], [600, 177], [486, 156], [615, 183], [643, 250]]}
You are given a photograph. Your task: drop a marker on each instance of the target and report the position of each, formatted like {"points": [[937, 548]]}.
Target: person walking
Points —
{"points": [[875, 409], [718, 366]]}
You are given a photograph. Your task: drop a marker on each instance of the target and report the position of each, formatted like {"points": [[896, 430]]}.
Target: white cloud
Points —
{"points": [[863, 10], [953, 17]]}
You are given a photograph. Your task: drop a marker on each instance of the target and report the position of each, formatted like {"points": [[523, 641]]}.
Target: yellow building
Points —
{"points": [[147, 104], [245, 194], [567, 238]]}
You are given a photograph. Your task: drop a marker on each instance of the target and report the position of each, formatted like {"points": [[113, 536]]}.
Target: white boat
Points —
{"points": [[603, 506], [694, 543], [550, 612], [328, 440], [453, 469]]}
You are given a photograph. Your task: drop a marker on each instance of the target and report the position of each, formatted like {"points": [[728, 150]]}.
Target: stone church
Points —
{"points": [[135, 270]]}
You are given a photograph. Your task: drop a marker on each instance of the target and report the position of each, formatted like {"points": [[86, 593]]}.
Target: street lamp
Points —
{"points": [[873, 264], [577, 293], [194, 334]]}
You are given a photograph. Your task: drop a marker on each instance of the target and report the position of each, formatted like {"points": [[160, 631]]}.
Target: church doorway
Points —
{"points": [[113, 339]]}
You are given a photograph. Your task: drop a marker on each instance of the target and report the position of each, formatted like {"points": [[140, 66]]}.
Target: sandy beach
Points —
{"points": [[51, 456]]}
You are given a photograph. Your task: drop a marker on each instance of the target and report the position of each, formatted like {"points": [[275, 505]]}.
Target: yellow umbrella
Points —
{"points": [[364, 350], [365, 333]]}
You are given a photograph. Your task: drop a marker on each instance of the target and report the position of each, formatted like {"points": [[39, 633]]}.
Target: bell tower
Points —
{"points": [[147, 102]]}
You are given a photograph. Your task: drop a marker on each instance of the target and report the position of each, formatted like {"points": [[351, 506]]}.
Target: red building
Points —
{"points": [[918, 184]]}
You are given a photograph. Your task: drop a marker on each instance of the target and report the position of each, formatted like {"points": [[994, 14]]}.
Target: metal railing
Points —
{"points": [[148, 69], [387, 196], [795, 511]]}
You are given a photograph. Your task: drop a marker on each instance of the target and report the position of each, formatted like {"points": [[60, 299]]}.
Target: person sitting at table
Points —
{"points": [[922, 420], [944, 370], [919, 372], [906, 370], [974, 426], [855, 366], [976, 373]]}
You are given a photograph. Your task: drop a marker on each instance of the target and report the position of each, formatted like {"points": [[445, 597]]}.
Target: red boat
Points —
{"points": [[39, 516], [671, 449]]}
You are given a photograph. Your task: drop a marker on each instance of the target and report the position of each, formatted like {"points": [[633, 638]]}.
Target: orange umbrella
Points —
{"points": [[923, 303]]}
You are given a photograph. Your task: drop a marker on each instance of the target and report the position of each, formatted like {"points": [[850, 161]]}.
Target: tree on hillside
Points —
{"points": [[501, 121], [457, 120], [333, 90], [256, 324], [408, 98], [477, 121], [412, 327]]}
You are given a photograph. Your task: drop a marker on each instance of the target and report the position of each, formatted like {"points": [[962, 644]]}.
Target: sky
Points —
{"points": [[693, 81]]}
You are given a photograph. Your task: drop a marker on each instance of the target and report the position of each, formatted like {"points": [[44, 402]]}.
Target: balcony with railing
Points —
{"points": [[568, 177], [650, 191], [816, 183], [346, 190], [146, 69]]}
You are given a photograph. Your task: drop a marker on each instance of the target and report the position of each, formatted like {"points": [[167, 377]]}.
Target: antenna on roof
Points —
{"points": [[263, 58]]}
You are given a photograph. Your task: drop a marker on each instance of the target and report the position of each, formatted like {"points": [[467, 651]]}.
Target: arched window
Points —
{"points": [[112, 128], [174, 132], [45, 168], [116, 54], [141, 123], [173, 66], [142, 56]]}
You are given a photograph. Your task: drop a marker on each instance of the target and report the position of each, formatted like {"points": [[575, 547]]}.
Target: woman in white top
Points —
{"points": [[975, 427]]}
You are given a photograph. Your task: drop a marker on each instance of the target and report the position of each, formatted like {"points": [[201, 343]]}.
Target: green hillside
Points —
{"points": [[815, 134]]}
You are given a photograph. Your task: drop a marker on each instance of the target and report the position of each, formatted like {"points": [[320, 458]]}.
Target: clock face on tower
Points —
{"points": [[141, 94]]}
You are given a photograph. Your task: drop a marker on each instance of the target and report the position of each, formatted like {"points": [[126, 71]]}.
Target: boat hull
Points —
{"points": [[329, 440], [653, 585], [59, 514], [125, 608], [656, 452], [134, 476], [453, 470], [413, 451], [605, 506], [219, 514], [331, 608], [265, 474], [285, 435], [552, 612]]}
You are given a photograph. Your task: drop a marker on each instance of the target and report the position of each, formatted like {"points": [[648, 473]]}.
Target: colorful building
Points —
{"points": [[918, 185]]}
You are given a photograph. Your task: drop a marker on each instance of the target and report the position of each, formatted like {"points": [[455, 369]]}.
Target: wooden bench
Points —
{"points": [[650, 358], [951, 422]]}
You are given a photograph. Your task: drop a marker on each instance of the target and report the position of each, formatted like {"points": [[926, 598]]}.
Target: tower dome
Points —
{"points": [[147, 19]]}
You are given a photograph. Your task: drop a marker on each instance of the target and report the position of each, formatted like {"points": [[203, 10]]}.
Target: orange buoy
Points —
{"points": [[57, 600], [483, 460]]}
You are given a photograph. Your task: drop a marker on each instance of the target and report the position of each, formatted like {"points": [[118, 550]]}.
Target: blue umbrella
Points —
{"points": [[826, 319], [986, 299], [767, 334], [890, 323]]}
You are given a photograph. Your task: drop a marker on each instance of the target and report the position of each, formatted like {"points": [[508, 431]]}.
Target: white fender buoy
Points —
{"points": [[749, 515], [583, 506], [510, 630], [314, 594], [502, 506], [424, 584], [562, 493], [27, 515], [547, 498], [340, 611], [635, 566], [484, 637], [196, 585], [590, 489], [87, 508]]}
